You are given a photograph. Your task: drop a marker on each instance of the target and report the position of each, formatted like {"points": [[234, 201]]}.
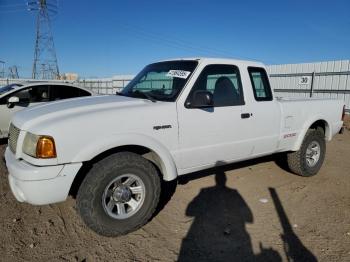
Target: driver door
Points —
{"points": [[214, 135]]}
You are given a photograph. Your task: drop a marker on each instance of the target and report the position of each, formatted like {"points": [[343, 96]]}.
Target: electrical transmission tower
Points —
{"points": [[13, 72], [45, 61], [2, 69]]}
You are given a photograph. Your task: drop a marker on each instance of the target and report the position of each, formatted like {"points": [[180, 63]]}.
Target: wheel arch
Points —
{"points": [[142, 145], [313, 124]]}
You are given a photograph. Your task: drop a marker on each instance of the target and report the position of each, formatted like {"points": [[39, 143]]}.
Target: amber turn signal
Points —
{"points": [[46, 147]]}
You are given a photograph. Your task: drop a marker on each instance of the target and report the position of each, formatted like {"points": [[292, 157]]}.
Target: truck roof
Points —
{"points": [[213, 60]]}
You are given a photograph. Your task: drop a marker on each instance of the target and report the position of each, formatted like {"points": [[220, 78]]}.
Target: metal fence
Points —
{"points": [[99, 86], [323, 80], [104, 86]]}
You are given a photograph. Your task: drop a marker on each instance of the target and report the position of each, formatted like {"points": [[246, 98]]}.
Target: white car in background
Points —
{"points": [[16, 97]]}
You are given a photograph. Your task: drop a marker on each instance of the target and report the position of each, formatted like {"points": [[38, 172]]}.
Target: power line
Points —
{"points": [[162, 39], [12, 5], [174, 42], [12, 11]]}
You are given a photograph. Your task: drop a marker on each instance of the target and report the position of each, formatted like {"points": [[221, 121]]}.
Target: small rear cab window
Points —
{"points": [[260, 84]]}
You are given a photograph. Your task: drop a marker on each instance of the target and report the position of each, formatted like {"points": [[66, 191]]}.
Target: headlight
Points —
{"points": [[39, 146], [29, 144]]}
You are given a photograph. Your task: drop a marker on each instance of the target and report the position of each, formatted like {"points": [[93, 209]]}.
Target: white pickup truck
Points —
{"points": [[173, 118]]}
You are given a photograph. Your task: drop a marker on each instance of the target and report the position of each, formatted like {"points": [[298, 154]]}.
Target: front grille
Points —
{"points": [[13, 137]]}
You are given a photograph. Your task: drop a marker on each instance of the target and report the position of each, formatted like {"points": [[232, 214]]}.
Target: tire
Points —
{"points": [[298, 161], [104, 198]]}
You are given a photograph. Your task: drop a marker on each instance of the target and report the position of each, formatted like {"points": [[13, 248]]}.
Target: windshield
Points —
{"points": [[8, 88], [160, 81]]}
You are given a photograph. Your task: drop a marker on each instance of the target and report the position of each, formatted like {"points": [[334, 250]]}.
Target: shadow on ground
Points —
{"points": [[169, 187], [218, 231]]}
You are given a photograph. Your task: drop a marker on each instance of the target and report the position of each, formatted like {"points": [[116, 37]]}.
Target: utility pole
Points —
{"points": [[45, 60]]}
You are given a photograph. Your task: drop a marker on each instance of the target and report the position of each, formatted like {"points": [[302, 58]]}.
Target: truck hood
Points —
{"points": [[97, 123], [73, 108]]}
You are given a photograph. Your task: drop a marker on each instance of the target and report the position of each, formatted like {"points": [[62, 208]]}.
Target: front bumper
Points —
{"points": [[39, 185]]}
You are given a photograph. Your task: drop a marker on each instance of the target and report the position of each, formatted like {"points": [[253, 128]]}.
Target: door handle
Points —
{"points": [[246, 115]]}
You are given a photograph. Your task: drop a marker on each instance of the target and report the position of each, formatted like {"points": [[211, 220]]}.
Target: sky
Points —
{"points": [[111, 37]]}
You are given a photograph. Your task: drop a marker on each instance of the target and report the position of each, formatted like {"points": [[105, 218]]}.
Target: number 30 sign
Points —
{"points": [[304, 80]]}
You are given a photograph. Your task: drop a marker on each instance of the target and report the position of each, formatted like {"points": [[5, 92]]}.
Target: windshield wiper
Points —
{"points": [[144, 95], [120, 94]]}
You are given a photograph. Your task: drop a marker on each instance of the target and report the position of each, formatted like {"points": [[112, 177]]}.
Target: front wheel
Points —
{"points": [[119, 194], [308, 160]]}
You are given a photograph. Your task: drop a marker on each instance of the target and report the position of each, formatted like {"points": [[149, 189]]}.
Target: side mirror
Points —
{"points": [[12, 101], [201, 99]]}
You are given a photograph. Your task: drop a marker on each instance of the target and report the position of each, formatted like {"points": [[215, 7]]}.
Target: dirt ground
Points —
{"points": [[261, 213]]}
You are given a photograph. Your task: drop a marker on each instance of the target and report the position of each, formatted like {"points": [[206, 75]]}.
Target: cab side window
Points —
{"points": [[224, 82], [59, 92], [34, 94], [39, 94], [260, 84]]}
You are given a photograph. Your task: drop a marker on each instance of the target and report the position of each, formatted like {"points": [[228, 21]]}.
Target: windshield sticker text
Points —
{"points": [[178, 73]]}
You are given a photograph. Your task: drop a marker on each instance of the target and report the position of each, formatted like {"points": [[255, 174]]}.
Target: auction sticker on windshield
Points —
{"points": [[178, 73]]}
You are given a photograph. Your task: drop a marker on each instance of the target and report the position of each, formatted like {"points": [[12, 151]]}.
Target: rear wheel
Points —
{"points": [[119, 194], [308, 160]]}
